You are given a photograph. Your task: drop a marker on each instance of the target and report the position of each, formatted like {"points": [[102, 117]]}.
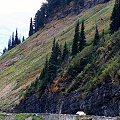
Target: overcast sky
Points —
{"points": [[16, 14]]}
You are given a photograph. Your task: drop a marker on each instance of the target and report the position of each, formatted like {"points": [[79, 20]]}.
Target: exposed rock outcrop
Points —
{"points": [[77, 9], [104, 100]]}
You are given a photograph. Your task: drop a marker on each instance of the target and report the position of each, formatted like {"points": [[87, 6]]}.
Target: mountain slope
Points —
{"points": [[21, 65]]}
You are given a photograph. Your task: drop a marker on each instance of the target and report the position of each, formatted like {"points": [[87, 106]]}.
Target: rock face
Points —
{"points": [[90, 3], [76, 10], [104, 100], [49, 104]]}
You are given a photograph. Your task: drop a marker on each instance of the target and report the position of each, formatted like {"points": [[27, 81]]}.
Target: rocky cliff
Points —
{"points": [[76, 10], [104, 101]]}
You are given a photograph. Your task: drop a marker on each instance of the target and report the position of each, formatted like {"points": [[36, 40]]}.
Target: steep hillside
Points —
{"points": [[21, 66]]}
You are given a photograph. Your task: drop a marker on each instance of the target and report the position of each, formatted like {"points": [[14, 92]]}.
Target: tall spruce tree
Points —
{"points": [[75, 40], [81, 2], [31, 28], [53, 44], [44, 73], [4, 50], [54, 61], [65, 51], [102, 40], [23, 39], [19, 40], [16, 38], [96, 38], [57, 54], [13, 41], [9, 44], [115, 17], [82, 40]]}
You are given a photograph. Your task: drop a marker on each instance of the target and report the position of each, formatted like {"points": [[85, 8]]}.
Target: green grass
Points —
{"points": [[2, 116]]}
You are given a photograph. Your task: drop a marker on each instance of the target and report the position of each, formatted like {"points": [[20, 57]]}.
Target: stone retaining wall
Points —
{"points": [[47, 116], [73, 117]]}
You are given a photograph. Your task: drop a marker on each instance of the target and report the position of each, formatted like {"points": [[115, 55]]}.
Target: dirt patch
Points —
{"points": [[7, 89]]}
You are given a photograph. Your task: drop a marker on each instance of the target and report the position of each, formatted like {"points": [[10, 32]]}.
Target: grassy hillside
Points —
{"points": [[21, 65]]}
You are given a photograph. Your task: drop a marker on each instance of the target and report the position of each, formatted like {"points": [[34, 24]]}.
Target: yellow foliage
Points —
{"points": [[95, 79], [65, 73], [56, 82], [96, 62], [118, 72], [55, 89]]}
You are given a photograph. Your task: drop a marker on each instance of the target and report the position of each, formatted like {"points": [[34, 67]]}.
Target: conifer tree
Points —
{"points": [[65, 51], [57, 54], [115, 17], [102, 41], [16, 38], [75, 40], [9, 44], [23, 39], [82, 40], [46, 66], [81, 2], [53, 44], [54, 61], [4, 50], [31, 28], [44, 73], [52, 67], [19, 41], [13, 41], [96, 38]]}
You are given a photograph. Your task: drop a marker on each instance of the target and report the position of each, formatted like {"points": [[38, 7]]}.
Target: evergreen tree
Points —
{"points": [[16, 38], [102, 41], [103, 37], [36, 22], [44, 73], [19, 40], [75, 40], [52, 67], [82, 40], [23, 39], [63, 3], [57, 52], [40, 17], [76, 1], [81, 2], [65, 51], [4, 50], [53, 44], [31, 28], [115, 17], [9, 44], [54, 61], [96, 38], [13, 41]]}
